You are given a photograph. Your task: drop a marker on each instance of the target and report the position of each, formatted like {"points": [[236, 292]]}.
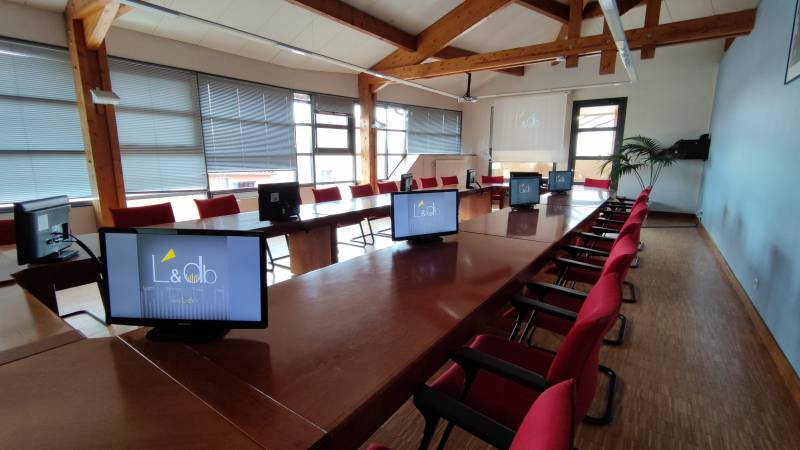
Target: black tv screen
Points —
{"points": [[559, 180], [523, 189], [42, 228], [278, 201]]}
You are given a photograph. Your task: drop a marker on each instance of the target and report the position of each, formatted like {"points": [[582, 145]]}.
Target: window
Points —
{"points": [[597, 130], [433, 131], [249, 133], [158, 121], [41, 143], [392, 138], [325, 130]]}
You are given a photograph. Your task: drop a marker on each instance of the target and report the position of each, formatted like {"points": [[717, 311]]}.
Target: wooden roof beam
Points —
{"points": [[574, 28], [550, 8], [455, 52], [651, 16], [593, 9], [713, 27], [97, 17]]}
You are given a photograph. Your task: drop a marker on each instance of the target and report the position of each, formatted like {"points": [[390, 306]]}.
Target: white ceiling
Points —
{"points": [[513, 26]]}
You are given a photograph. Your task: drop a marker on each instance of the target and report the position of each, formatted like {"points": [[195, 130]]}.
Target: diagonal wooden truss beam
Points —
{"points": [[550, 8], [713, 27], [97, 17]]}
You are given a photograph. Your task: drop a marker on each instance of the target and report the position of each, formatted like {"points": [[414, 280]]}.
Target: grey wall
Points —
{"points": [[750, 190]]}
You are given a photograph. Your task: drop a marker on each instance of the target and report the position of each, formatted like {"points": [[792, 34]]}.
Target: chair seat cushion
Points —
{"points": [[504, 401]]}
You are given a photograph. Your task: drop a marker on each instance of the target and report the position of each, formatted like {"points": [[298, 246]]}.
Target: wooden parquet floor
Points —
{"points": [[693, 372]]}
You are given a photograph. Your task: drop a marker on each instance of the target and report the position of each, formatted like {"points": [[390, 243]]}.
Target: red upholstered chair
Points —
{"points": [[386, 187], [592, 182], [501, 379], [497, 194], [449, 181], [217, 206], [548, 425], [414, 185], [333, 194], [429, 182], [143, 216], [8, 232], [365, 190]]}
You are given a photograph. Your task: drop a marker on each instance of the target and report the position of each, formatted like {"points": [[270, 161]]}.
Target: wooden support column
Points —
{"points": [[652, 13], [608, 58], [369, 148], [98, 122], [574, 28]]}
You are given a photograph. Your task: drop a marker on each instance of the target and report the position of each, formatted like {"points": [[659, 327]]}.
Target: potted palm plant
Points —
{"points": [[642, 157]]}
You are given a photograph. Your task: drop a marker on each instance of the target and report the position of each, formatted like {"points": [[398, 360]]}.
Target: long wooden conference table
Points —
{"points": [[346, 345]]}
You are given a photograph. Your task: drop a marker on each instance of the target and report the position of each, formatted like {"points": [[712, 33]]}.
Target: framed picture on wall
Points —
{"points": [[793, 66]]}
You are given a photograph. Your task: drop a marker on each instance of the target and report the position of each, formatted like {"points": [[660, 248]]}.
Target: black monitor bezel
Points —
{"points": [[517, 175], [403, 177], [474, 177], [29, 252], [262, 204], [226, 324], [550, 177], [423, 236]]}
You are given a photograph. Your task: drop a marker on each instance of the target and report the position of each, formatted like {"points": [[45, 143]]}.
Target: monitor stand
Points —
{"points": [[524, 207], [186, 334], [427, 240], [62, 255]]}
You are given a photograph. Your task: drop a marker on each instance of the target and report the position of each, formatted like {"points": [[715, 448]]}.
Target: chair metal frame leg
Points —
{"points": [[430, 428], [623, 326], [635, 262], [355, 241], [608, 411], [632, 289]]}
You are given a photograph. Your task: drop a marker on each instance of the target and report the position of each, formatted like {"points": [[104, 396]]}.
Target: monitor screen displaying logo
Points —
{"points": [[523, 191], [559, 180], [184, 277], [424, 213]]}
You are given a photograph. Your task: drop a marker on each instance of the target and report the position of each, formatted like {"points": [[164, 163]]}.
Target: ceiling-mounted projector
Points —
{"points": [[467, 97]]}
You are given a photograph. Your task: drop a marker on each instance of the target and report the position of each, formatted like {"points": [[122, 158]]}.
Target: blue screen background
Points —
{"points": [[421, 213], [524, 191], [184, 277]]}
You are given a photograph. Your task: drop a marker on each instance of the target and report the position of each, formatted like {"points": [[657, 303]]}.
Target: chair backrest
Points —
{"points": [[387, 187], [143, 216], [429, 182], [592, 182], [327, 194], [217, 206], [414, 185], [621, 255], [8, 232], [550, 423], [361, 190], [449, 181], [578, 356], [498, 179]]}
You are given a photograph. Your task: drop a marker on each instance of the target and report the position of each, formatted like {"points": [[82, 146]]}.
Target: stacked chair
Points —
{"points": [[502, 379]]}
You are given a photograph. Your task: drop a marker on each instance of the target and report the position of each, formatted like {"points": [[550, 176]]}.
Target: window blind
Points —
{"points": [[433, 131], [41, 143], [247, 127], [333, 104], [158, 121]]}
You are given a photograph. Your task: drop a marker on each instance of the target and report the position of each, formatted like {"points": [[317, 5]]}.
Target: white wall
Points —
{"points": [[673, 100]]}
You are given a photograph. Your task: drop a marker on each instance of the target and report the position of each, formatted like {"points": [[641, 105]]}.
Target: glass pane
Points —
{"points": [[589, 168], [396, 118], [332, 168], [303, 97], [396, 141], [358, 169], [332, 138], [303, 138], [394, 161], [302, 112], [380, 116], [183, 206], [221, 181], [305, 173], [595, 143], [381, 142], [381, 167], [331, 119], [598, 116]]}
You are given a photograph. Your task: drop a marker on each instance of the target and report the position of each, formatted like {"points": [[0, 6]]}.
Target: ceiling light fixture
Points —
{"points": [[614, 22], [262, 39]]}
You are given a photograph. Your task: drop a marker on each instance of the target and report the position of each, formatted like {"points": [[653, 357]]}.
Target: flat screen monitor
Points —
{"points": [[406, 182], [42, 229], [470, 178], [559, 180], [523, 189], [189, 284], [278, 201], [424, 215]]}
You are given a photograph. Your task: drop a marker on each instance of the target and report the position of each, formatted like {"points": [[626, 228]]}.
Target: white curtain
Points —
{"points": [[530, 128]]}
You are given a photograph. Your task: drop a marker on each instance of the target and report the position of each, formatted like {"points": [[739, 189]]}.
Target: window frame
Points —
{"points": [[619, 129], [386, 153]]}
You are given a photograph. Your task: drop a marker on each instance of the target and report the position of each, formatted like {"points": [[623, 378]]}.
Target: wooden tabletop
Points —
{"points": [[545, 223], [348, 344], [28, 327], [578, 196], [99, 393]]}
